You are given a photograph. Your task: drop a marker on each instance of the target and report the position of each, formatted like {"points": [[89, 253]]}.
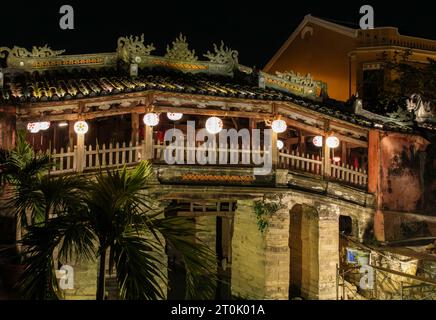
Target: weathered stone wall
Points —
{"points": [[300, 248], [85, 281], [248, 248]]}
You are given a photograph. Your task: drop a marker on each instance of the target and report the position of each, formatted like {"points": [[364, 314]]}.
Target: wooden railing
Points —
{"points": [[112, 155], [104, 156], [347, 173], [232, 155], [115, 155], [314, 164], [304, 162]]}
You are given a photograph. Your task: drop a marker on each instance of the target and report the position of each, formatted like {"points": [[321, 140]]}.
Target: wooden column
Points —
{"points": [[252, 123], [344, 155], [147, 144], [275, 150], [135, 128], [80, 153], [71, 134], [326, 165], [301, 142]]}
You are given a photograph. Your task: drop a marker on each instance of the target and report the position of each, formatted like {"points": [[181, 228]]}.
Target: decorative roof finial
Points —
{"points": [[131, 47], [180, 51], [222, 55], [37, 52]]}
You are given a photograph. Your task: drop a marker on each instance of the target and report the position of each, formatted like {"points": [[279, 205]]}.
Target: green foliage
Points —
{"points": [[263, 210], [112, 213], [74, 218], [402, 78]]}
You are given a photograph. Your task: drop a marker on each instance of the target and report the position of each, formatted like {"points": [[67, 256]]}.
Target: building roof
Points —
{"points": [[44, 75]]}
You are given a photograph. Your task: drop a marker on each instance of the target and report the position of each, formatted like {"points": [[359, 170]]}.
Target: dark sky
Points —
{"points": [[255, 28]]}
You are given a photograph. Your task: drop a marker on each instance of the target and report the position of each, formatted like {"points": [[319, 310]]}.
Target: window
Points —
{"points": [[345, 225]]}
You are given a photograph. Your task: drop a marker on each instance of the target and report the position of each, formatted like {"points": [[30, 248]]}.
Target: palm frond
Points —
{"points": [[198, 259], [139, 268]]}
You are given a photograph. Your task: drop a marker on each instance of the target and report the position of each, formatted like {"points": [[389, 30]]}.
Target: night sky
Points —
{"points": [[255, 28]]}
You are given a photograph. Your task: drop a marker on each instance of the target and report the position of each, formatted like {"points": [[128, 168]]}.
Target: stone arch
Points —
{"points": [[314, 250]]}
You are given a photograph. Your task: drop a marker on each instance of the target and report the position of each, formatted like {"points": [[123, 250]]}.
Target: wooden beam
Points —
{"points": [[302, 126], [212, 112], [406, 275]]}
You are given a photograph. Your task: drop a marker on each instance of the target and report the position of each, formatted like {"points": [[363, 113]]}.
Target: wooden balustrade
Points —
{"points": [[114, 155]]}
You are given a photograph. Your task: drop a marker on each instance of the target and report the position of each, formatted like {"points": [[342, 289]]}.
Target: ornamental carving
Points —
{"points": [[133, 46], [297, 78], [180, 51], [424, 110], [37, 52], [222, 55]]}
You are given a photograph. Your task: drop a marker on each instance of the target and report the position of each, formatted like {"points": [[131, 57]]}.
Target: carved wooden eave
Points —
{"points": [[141, 102]]}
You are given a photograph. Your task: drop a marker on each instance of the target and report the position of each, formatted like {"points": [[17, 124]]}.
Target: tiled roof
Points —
{"points": [[61, 85]]}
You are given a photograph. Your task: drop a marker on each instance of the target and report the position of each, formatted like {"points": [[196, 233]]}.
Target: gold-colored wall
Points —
{"points": [[324, 55]]}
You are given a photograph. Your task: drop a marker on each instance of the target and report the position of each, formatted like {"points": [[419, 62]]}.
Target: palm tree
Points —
{"points": [[20, 169], [123, 227]]}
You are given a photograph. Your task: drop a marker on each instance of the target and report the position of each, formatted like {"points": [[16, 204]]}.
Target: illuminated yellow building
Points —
{"points": [[342, 56]]}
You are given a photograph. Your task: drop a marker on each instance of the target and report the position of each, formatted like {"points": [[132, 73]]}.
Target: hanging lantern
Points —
{"points": [[44, 125], [337, 159], [35, 127], [151, 119], [279, 126], [280, 144], [174, 116], [317, 141], [214, 125], [81, 127], [332, 142]]}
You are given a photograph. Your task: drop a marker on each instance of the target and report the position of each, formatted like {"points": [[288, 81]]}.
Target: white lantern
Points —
{"points": [[279, 126], [81, 127], [336, 159], [214, 125], [44, 125], [332, 142], [174, 116], [151, 119], [280, 144], [35, 127], [317, 141]]}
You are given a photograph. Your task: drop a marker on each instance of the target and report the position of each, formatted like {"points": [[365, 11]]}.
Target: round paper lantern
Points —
{"points": [[44, 125], [214, 125], [279, 126], [317, 141], [151, 119], [174, 116], [81, 127], [35, 127], [332, 142], [280, 144]]}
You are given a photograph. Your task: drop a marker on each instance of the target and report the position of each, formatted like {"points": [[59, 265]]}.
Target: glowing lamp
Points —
{"points": [[63, 124], [336, 159], [317, 141], [151, 119], [279, 126], [332, 142], [81, 127], [35, 127], [214, 125], [280, 144], [174, 116]]}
